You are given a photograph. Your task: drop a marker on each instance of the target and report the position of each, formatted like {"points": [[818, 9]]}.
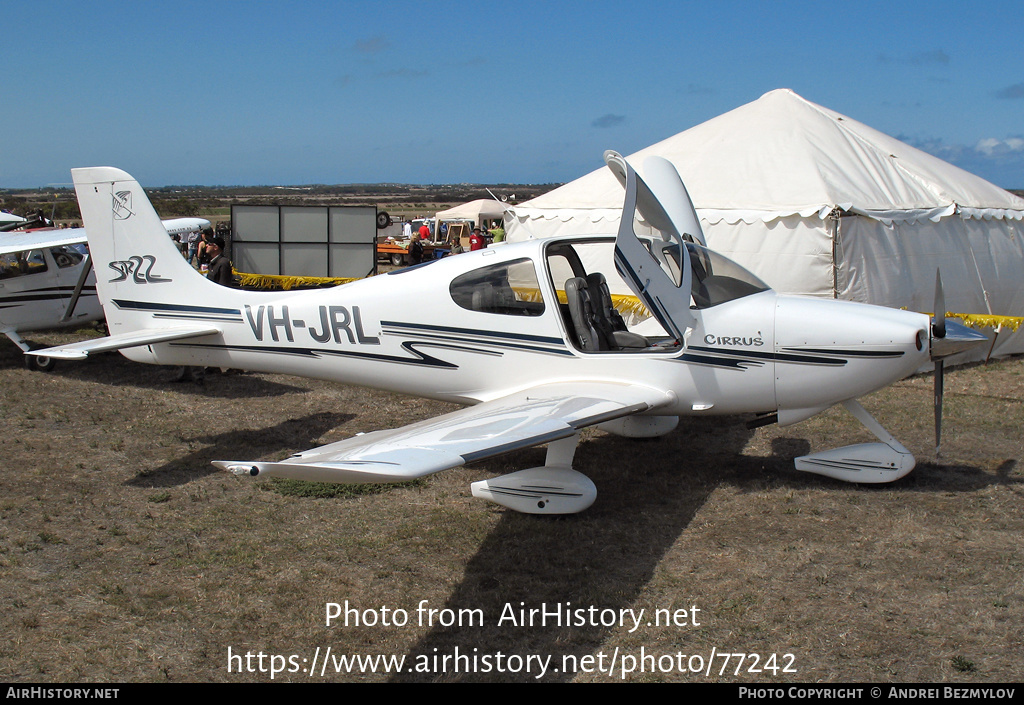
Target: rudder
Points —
{"points": [[134, 258]]}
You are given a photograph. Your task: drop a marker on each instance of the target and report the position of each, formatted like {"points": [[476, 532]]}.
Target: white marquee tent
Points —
{"points": [[816, 203], [475, 210]]}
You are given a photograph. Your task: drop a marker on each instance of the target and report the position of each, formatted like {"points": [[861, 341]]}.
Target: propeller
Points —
{"points": [[947, 338], [938, 333]]}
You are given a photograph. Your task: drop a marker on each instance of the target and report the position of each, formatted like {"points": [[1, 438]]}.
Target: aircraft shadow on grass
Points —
{"points": [[113, 368], [651, 491], [602, 558], [274, 440]]}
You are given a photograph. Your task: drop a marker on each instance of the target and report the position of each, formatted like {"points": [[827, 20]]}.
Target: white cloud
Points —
{"points": [[992, 146], [999, 160]]}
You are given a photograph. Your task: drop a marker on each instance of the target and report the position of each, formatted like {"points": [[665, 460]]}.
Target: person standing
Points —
{"points": [[415, 250], [203, 250], [497, 232], [220, 270], [476, 240], [456, 245], [192, 244]]}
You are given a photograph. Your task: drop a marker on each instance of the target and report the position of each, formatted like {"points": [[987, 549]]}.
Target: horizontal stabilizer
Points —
{"points": [[82, 350]]}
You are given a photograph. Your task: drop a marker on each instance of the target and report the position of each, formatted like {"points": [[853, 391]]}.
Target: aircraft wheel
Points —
{"points": [[44, 364], [383, 220], [397, 260], [40, 363]]}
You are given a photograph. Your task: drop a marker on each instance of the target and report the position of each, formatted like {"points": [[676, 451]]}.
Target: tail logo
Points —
{"points": [[132, 267], [123, 205]]}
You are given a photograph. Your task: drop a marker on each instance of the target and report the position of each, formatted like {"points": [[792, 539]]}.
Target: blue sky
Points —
{"points": [[303, 92]]}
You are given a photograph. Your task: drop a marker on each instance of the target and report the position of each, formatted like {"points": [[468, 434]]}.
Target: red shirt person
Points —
{"points": [[476, 240]]}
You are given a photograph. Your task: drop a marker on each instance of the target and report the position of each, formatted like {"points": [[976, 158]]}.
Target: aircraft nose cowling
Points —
{"points": [[828, 351]]}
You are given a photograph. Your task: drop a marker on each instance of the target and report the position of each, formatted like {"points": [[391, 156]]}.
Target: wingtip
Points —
{"points": [[238, 468], [59, 353]]}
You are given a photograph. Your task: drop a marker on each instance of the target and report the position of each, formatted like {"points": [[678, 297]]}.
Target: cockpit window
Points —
{"points": [[508, 288], [609, 316], [717, 279], [66, 256], [16, 264]]}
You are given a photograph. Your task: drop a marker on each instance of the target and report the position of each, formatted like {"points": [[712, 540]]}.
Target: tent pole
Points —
{"points": [[833, 220]]}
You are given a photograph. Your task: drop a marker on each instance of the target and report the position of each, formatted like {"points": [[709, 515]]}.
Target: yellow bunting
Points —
{"points": [[984, 320], [273, 281]]}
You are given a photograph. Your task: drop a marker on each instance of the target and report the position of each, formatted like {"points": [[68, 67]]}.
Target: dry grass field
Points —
{"points": [[125, 556]]}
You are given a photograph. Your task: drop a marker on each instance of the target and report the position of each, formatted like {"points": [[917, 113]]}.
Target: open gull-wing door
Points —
{"points": [[667, 186], [659, 271]]}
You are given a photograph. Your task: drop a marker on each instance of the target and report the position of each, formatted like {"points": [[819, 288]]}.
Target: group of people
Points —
{"points": [[206, 250], [477, 240]]}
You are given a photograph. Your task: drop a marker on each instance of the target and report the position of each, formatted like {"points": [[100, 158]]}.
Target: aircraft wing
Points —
{"points": [[35, 239], [531, 417], [82, 350]]}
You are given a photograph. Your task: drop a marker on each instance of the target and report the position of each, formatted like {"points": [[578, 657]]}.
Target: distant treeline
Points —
{"points": [[64, 207], [184, 201]]}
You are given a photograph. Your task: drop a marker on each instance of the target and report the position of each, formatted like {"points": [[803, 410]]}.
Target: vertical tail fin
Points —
{"points": [[136, 262]]}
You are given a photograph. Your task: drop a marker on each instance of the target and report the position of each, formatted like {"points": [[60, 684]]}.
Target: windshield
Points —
{"points": [[717, 279]]}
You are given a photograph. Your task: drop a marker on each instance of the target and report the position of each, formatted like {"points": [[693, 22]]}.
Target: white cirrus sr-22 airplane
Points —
{"points": [[526, 336]]}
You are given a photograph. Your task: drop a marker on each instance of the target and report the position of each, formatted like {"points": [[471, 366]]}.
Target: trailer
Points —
{"points": [[397, 251]]}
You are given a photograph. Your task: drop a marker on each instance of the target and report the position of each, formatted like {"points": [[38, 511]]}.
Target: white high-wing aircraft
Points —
{"points": [[526, 336], [9, 218], [46, 282], [180, 226]]}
